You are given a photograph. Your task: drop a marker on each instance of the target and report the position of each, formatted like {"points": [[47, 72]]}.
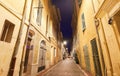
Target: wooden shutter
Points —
{"points": [[83, 22], [87, 59]]}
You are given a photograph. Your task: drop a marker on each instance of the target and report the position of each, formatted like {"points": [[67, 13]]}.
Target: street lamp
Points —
{"points": [[65, 42], [66, 48]]}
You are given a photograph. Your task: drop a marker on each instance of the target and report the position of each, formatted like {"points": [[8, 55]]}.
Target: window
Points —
{"points": [[7, 31], [79, 2], [87, 59], [83, 22], [39, 13]]}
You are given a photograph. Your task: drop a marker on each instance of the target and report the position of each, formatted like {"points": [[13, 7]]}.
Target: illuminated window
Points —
{"points": [[39, 13]]}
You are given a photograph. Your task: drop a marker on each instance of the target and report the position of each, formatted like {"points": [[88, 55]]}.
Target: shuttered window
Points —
{"points": [[83, 22], [87, 59]]}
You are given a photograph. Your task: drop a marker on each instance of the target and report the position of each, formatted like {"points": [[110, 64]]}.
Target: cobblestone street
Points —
{"points": [[65, 68]]}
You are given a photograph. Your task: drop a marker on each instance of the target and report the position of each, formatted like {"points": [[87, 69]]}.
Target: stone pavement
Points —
{"points": [[66, 67]]}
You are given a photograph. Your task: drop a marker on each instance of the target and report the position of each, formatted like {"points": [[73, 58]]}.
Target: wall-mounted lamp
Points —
{"points": [[96, 22], [110, 21]]}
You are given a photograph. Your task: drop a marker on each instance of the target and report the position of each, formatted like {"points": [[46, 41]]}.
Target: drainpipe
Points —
{"points": [[57, 45], [17, 44], [25, 43], [21, 29]]}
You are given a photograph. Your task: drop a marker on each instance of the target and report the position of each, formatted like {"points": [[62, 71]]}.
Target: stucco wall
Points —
{"points": [[7, 48]]}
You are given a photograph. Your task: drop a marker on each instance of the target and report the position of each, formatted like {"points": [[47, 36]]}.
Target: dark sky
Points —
{"points": [[66, 10]]}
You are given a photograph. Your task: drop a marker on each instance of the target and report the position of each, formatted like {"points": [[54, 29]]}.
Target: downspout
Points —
{"points": [[17, 44], [21, 29], [25, 43], [57, 47], [57, 35]]}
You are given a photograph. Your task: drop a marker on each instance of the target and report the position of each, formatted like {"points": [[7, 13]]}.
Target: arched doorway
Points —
{"points": [[41, 62]]}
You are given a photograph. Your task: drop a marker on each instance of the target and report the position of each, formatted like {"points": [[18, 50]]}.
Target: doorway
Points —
{"points": [[42, 52], [29, 52], [96, 58]]}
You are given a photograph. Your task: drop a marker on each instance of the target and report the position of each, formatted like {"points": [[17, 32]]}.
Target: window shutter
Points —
{"points": [[83, 22], [87, 59]]}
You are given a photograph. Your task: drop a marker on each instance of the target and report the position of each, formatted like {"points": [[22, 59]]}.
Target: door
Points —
{"points": [[29, 53], [41, 64], [96, 58]]}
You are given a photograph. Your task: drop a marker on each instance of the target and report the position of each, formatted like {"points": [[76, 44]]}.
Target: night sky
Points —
{"points": [[66, 10]]}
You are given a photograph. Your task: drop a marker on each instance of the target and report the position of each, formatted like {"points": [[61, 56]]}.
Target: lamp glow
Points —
{"points": [[65, 42]]}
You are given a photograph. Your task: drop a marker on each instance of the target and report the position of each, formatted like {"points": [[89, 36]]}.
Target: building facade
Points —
{"points": [[29, 37], [75, 44], [98, 36]]}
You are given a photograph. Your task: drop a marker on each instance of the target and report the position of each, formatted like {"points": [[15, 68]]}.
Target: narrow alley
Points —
{"points": [[67, 67], [59, 37]]}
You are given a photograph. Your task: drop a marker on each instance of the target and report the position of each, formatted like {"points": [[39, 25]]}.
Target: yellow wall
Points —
{"points": [[116, 27], [90, 32], [109, 36], [12, 11], [105, 51], [113, 49], [6, 49], [15, 5]]}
